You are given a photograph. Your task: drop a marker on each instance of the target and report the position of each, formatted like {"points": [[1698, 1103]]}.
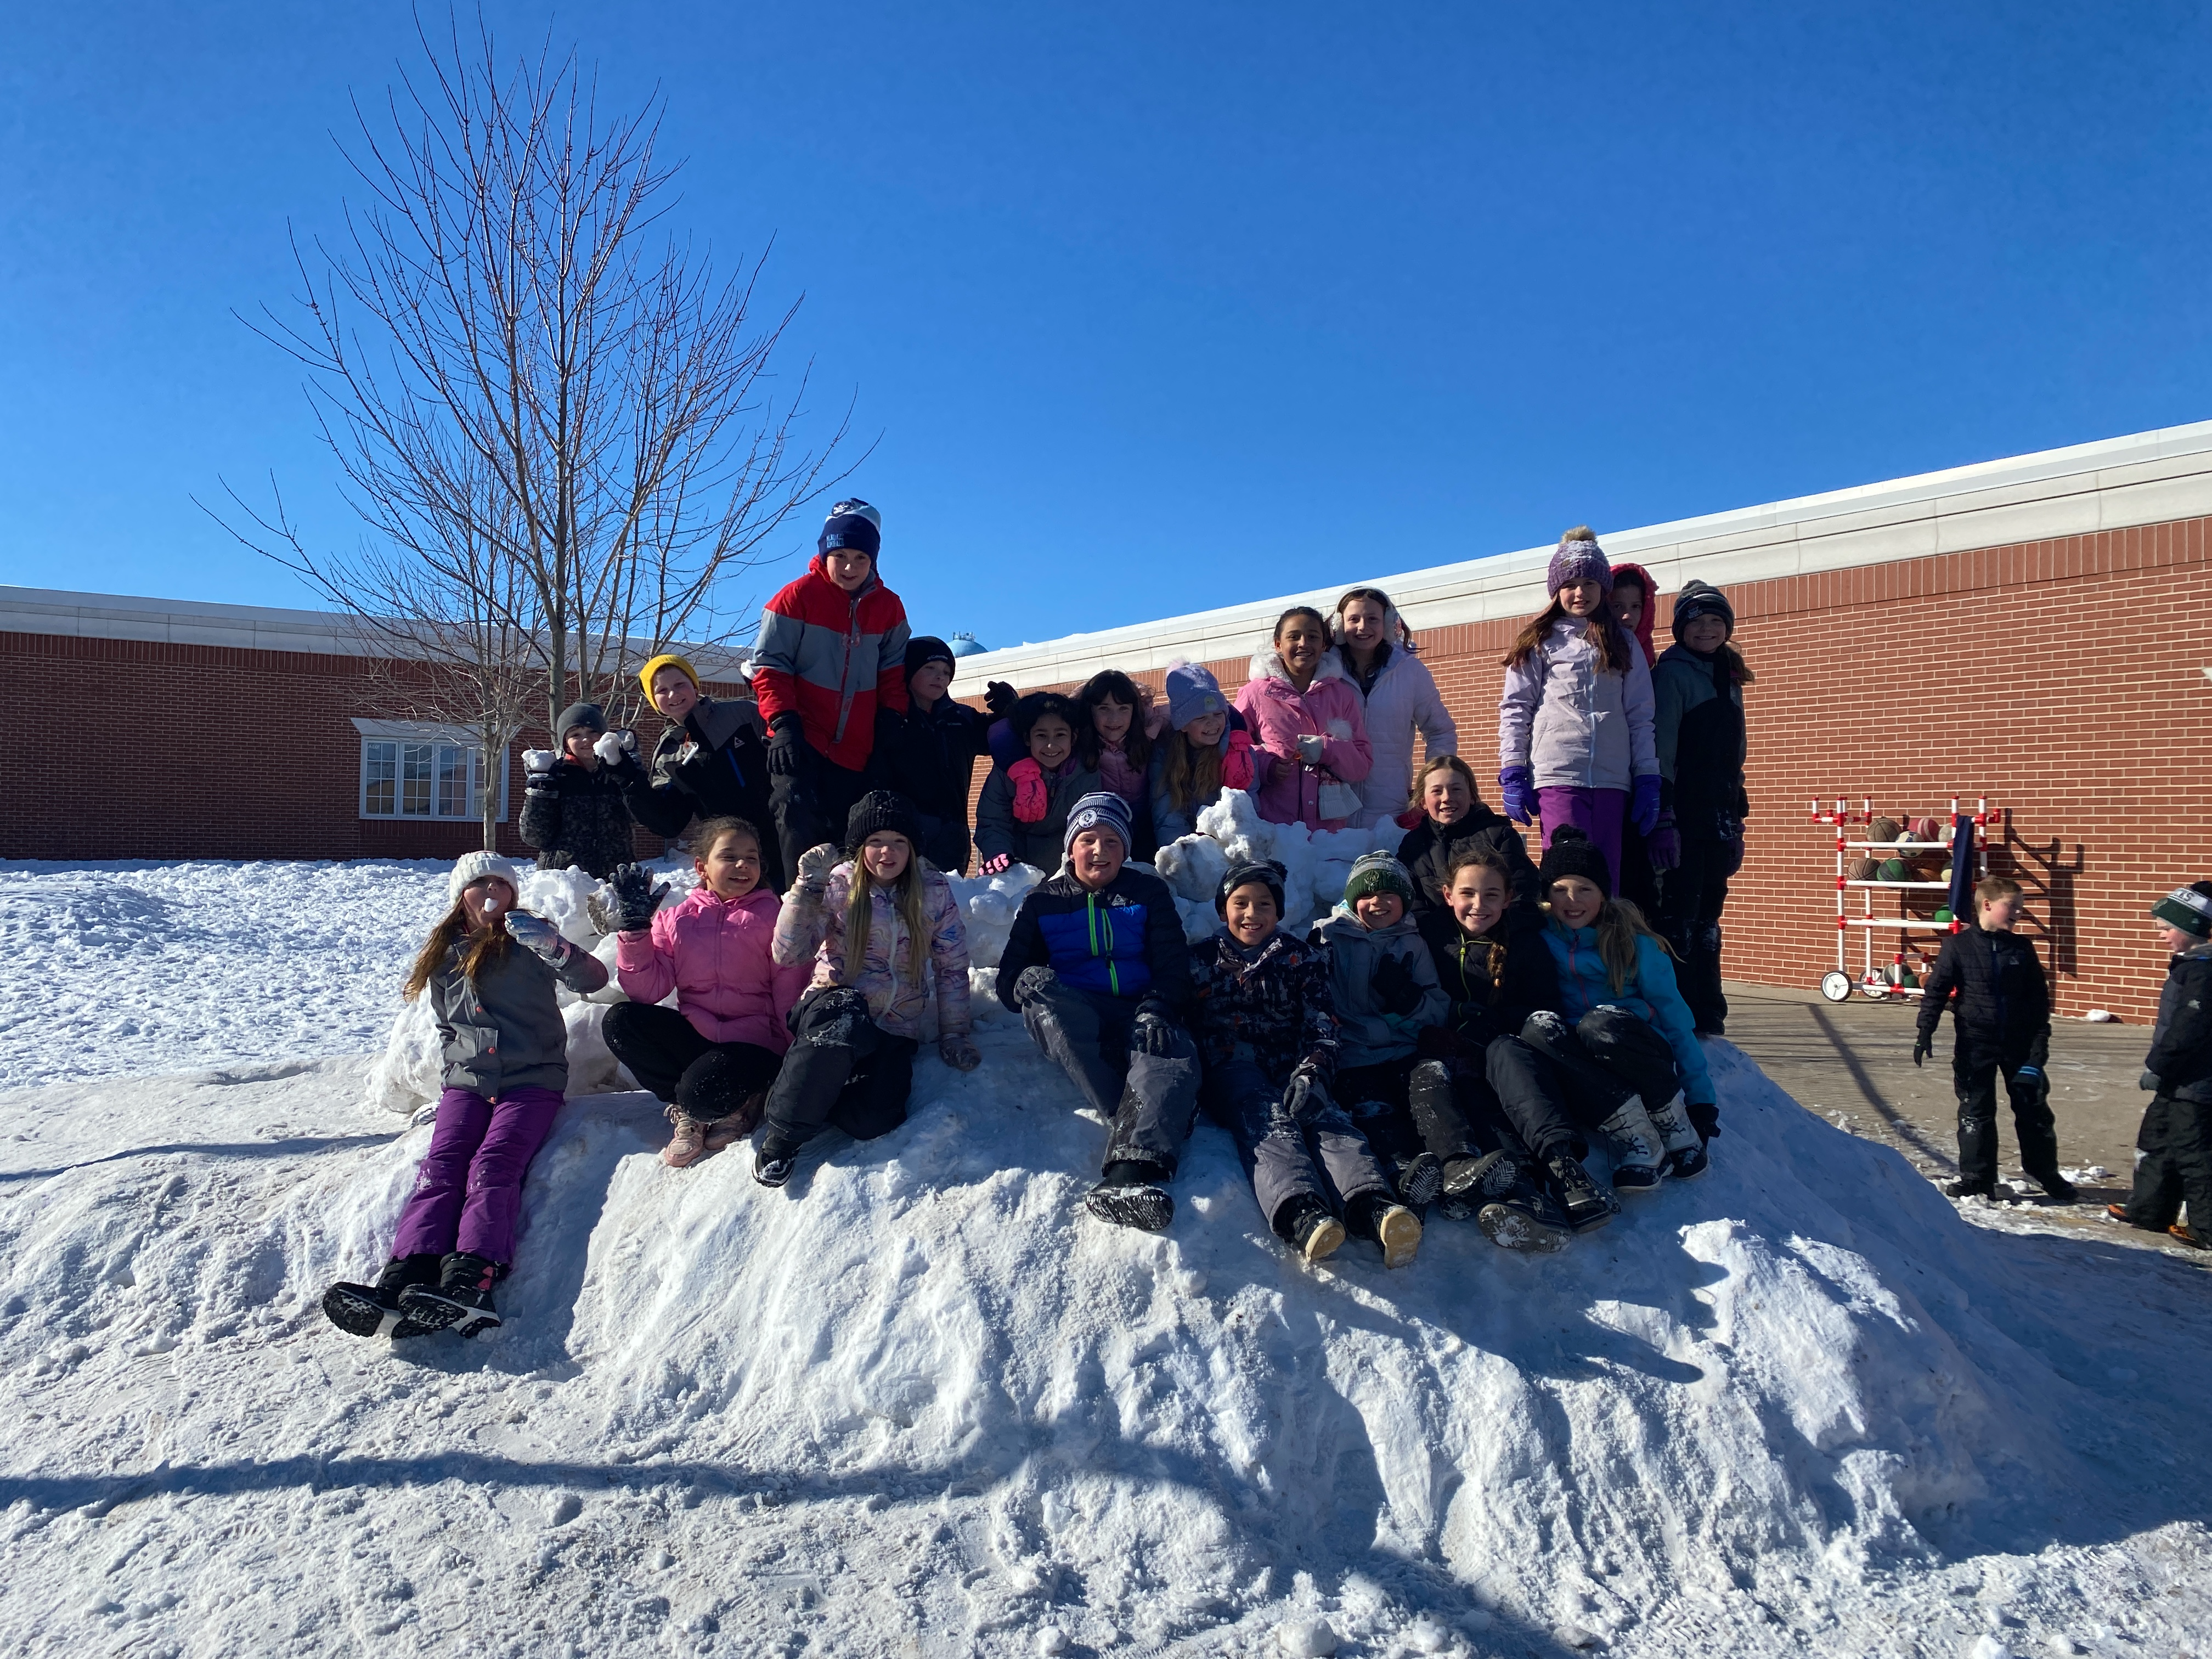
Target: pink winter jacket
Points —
{"points": [[718, 956], [1330, 708]]}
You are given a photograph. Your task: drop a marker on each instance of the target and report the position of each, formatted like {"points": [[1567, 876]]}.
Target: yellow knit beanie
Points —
{"points": [[666, 659]]}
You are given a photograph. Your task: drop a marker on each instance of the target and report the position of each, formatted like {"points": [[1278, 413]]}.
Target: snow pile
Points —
{"points": [[1232, 831]]}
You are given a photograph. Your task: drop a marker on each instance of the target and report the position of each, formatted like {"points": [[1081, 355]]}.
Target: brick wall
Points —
{"points": [[2062, 680]]}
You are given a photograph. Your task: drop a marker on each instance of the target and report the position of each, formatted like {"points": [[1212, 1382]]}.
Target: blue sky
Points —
{"points": [[1150, 308]]}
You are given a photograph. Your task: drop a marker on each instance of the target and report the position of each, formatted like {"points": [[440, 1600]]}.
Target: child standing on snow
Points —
{"points": [[711, 1058], [2173, 1149], [2000, 1024], [1574, 724], [1307, 716], [1097, 967], [934, 761], [1454, 820], [1267, 1039], [1618, 1006], [1206, 750], [1635, 600], [1398, 699], [1120, 727], [1022, 816], [490, 970], [883, 932], [573, 807]]}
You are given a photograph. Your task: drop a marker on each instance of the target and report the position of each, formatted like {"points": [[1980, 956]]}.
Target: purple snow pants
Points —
{"points": [[468, 1189], [1598, 813]]}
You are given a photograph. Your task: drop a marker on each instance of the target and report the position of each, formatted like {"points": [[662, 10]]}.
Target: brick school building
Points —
{"points": [[2035, 631]]}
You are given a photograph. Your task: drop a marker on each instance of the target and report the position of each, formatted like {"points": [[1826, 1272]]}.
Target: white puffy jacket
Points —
{"points": [[1574, 722], [1403, 701]]}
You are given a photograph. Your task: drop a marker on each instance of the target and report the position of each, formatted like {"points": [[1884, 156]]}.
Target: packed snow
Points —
{"points": [[918, 1403]]}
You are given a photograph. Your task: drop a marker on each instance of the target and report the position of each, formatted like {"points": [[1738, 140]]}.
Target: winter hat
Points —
{"points": [[2189, 908], [1193, 693], [1103, 810], [879, 810], [1625, 572], [1378, 872], [579, 714], [1266, 871], [1700, 598], [924, 649], [852, 524], [474, 867], [1579, 559], [665, 660], [1573, 853]]}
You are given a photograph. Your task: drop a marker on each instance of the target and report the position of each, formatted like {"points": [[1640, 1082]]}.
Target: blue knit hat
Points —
{"points": [[855, 525], [1193, 693], [1100, 810], [1579, 559]]}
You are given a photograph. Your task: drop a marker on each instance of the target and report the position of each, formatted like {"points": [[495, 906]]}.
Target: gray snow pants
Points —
{"points": [[1149, 1099], [1325, 1157]]}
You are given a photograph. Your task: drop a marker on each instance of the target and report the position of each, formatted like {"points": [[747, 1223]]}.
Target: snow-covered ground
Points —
{"points": [[918, 1403]]}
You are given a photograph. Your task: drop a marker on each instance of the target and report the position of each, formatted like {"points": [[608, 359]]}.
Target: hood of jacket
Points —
{"points": [[1642, 629], [1267, 666]]}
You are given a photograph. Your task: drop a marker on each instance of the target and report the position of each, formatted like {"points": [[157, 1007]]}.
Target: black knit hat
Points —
{"points": [[879, 809], [576, 714], [1266, 871], [1697, 600], [924, 649], [1573, 853]]}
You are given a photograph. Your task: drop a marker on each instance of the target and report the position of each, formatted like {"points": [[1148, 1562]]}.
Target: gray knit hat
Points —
{"points": [[2189, 908], [1378, 872], [1193, 693], [1697, 600], [1100, 810], [1579, 559]]}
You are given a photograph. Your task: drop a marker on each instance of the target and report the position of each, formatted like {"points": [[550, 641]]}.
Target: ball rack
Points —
{"points": [[1838, 985]]}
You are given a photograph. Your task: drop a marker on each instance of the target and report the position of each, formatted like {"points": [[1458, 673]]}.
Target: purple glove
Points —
{"points": [[1520, 786], [1644, 805], [1662, 844]]}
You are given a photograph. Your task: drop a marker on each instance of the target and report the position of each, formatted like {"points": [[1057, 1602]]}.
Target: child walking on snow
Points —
{"points": [[2174, 1150], [1206, 750], [1268, 1038], [711, 1058], [883, 932], [490, 970], [1022, 816], [1574, 724]]}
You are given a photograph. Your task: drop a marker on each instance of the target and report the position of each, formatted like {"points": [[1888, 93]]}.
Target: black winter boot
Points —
{"points": [[373, 1309], [1569, 1186], [1130, 1193], [1488, 1174], [1525, 1218], [1311, 1229], [461, 1298]]}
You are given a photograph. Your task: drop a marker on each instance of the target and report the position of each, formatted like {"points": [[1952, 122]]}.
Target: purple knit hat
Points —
{"points": [[1579, 559]]}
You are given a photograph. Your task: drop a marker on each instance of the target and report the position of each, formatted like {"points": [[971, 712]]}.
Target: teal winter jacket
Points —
{"points": [[1649, 994]]}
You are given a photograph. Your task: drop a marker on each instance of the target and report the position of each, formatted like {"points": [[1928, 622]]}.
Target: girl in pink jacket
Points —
{"points": [[1307, 715], [712, 1057]]}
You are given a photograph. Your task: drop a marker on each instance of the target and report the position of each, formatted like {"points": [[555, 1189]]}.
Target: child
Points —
{"points": [[1097, 967], [1698, 732], [1207, 749], [711, 1058], [1398, 698], [933, 762], [1454, 820], [489, 970], [1305, 713], [1114, 737], [1574, 724], [1266, 1035], [1618, 1006], [573, 807], [711, 763], [1498, 974], [1022, 817], [2173, 1149], [2002, 1024], [882, 929], [1635, 600]]}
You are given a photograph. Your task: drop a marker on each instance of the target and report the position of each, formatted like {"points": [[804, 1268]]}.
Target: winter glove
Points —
{"points": [[636, 898], [815, 865], [613, 746], [1643, 804], [1395, 989], [2032, 1076], [539, 762], [2147, 1080], [1519, 785], [784, 743], [999, 699], [955, 1051], [1922, 1048], [1663, 845], [1154, 1033], [1312, 748], [538, 936], [1438, 1043], [1033, 982], [993, 865], [1307, 1095]]}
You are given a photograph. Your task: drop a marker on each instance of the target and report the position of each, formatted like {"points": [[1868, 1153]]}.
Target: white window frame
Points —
{"points": [[419, 733]]}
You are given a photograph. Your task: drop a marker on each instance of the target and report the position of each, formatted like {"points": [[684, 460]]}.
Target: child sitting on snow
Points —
{"points": [[1618, 1006], [2174, 1150], [1022, 817], [884, 931], [1206, 750], [1267, 1039], [490, 970], [1097, 967], [711, 1058], [573, 807]]}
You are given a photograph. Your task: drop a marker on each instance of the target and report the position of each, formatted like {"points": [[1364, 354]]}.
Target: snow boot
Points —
{"points": [[2189, 1234], [687, 1144], [1525, 1218], [1132, 1193], [461, 1298], [1398, 1230], [1473, 1179], [1583, 1200], [1685, 1150], [1419, 1181], [1639, 1156], [1972, 1189], [773, 1163], [373, 1309], [2056, 1185], [1313, 1232], [729, 1131]]}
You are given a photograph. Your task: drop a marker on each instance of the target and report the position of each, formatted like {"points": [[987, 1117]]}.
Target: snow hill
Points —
{"points": [[918, 1403]]}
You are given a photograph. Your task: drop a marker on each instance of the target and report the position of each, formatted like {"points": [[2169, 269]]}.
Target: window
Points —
{"points": [[434, 772]]}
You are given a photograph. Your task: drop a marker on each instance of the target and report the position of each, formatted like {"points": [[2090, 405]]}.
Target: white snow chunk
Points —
{"points": [[1308, 1638], [1050, 1639]]}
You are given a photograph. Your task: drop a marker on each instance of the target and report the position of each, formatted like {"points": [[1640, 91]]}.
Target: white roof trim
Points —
{"points": [[420, 732], [2151, 477]]}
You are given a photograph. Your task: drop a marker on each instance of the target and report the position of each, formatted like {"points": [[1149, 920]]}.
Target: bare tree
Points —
{"points": [[554, 416]]}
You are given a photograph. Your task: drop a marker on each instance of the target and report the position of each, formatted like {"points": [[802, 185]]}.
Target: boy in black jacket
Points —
{"points": [[932, 762], [2173, 1149], [573, 807], [1097, 967], [2001, 1025]]}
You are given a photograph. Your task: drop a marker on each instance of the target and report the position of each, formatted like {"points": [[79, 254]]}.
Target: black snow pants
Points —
{"points": [[843, 1072], [1606, 1056], [1149, 1099], [1324, 1157], [812, 805], [700, 1077], [1976, 1076], [1691, 896], [2173, 1165], [1497, 1101]]}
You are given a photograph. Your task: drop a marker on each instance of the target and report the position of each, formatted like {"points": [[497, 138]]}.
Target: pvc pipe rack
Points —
{"points": [[1838, 985]]}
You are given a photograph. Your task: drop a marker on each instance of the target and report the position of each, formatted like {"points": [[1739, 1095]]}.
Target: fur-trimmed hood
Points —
{"points": [[1267, 664]]}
